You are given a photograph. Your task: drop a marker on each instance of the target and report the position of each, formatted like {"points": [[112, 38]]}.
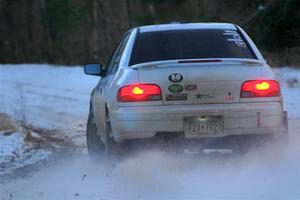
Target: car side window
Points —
{"points": [[116, 57]]}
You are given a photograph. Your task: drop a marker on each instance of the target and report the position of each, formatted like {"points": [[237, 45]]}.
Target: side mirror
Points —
{"points": [[93, 69]]}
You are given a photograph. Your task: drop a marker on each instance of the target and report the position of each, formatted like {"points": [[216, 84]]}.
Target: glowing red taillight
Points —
{"points": [[139, 92], [260, 88]]}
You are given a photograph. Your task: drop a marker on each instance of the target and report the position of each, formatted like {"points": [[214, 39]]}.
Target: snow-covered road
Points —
{"points": [[57, 97]]}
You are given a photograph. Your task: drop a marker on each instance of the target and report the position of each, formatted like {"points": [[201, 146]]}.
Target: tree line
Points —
{"points": [[78, 31]]}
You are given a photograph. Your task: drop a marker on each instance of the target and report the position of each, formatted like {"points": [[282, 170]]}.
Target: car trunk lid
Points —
{"points": [[192, 82]]}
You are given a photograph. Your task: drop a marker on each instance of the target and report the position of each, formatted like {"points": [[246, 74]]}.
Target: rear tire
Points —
{"points": [[99, 150], [96, 148], [114, 150]]}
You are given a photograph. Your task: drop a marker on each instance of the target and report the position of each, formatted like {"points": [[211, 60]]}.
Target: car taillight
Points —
{"points": [[139, 92], [260, 88]]}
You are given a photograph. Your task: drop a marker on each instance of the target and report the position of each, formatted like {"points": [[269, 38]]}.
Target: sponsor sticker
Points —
{"points": [[176, 97], [190, 87], [175, 88], [175, 78], [229, 97]]}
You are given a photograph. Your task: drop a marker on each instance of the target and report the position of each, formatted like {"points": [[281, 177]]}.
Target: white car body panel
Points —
{"points": [[131, 120]]}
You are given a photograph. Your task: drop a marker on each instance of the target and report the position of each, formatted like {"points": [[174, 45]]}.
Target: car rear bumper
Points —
{"points": [[238, 119]]}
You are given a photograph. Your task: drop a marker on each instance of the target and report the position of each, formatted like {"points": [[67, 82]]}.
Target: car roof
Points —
{"points": [[184, 26]]}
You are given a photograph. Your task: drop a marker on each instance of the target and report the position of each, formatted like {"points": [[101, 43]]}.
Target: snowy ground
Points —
{"points": [[47, 96], [57, 99], [16, 153]]}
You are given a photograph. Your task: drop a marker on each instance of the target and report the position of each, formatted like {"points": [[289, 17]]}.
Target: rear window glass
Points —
{"points": [[189, 44]]}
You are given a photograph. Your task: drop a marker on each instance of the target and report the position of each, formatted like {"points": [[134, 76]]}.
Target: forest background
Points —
{"points": [[74, 32]]}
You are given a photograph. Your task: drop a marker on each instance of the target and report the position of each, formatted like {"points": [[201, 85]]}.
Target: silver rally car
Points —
{"points": [[193, 81]]}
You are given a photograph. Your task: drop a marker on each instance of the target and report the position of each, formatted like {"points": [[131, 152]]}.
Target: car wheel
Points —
{"points": [[113, 149], [96, 148]]}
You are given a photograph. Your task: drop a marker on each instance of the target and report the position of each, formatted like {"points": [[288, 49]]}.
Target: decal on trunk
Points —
{"points": [[229, 98], [190, 87], [175, 88], [175, 78], [176, 97]]}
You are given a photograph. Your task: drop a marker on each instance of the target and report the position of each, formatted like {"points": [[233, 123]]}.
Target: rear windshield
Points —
{"points": [[189, 44]]}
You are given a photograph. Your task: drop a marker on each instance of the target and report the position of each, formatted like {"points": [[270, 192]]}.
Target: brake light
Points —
{"points": [[260, 88], [198, 61], [139, 92]]}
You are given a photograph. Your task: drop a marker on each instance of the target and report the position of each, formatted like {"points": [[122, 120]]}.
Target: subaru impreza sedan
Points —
{"points": [[191, 81]]}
